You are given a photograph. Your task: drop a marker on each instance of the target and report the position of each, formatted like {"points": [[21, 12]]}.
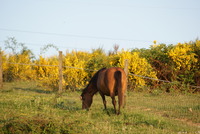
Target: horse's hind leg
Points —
{"points": [[114, 104]]}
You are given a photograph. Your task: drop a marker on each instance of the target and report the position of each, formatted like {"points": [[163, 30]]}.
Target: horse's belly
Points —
{"points": [[105, 92], [108, 94]]}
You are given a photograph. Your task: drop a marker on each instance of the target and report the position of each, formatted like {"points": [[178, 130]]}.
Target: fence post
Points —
{"points": [[126, 71], [60, 72], [126, 67], [1, 71]]}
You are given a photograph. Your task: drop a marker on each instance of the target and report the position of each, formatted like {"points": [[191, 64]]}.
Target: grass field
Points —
{"points": [[26, 108]]}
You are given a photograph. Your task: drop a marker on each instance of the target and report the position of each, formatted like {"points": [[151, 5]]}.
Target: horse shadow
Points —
{"points": [[68, 105], [33, 90], [109, 111]]}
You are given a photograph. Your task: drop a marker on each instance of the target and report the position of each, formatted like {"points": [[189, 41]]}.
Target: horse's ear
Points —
{"points": [[81, 97]]}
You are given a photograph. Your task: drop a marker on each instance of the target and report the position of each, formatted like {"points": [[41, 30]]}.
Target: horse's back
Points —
{"points": [[110, 79]]}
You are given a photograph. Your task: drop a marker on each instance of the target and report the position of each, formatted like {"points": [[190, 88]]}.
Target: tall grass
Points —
{"points": [[26, 108]]}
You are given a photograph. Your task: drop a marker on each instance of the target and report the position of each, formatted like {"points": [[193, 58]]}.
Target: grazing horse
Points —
{"points": [[110, 82]]}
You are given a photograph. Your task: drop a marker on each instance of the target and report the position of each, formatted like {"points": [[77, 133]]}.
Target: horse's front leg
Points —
{"points": [[104, 100]]}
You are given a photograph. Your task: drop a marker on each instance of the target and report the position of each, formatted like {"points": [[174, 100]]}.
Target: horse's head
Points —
{"points": [[89, 92], [86, 100]]}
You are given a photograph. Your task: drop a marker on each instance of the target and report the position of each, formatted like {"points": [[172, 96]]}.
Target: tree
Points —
{"points": [[18, 48]]}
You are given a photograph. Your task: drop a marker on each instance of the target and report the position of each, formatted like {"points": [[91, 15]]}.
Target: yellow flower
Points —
{"points": [[154, 42], [183, 56]]}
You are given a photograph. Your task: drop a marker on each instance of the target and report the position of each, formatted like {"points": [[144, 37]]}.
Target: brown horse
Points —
{"points": [[109, 82]]}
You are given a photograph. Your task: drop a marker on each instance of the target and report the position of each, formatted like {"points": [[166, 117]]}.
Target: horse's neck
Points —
{"points": [[92, 89]]}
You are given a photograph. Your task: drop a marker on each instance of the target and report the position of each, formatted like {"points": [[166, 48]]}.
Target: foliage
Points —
{"points": [[159, 60], [18, 48], [137, 66], [183, 56], [185, 60], [18, 67], [98, 59], [74, 74], [47, 71], [46, 47], [180, 63]]}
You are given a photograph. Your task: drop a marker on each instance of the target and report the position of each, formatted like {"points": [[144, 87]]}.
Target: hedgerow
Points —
{"points": [[180, 62]]}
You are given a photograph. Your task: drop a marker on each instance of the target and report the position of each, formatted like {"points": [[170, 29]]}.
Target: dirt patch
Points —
{"points": [[189, 122], [164, 114]]}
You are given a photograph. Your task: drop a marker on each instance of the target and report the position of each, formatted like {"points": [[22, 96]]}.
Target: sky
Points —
{"points": [[85, 25]]}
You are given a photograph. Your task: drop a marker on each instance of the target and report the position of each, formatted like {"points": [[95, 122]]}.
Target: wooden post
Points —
{"points": [[60, 72], [126, 67], [1, 71], [126, 71]]}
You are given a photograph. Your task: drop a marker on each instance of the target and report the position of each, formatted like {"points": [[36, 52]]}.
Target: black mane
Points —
{"points": [[93, 81]]}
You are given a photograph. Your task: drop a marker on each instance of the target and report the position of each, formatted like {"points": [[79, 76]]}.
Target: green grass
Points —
{"points": [[26, 108]]}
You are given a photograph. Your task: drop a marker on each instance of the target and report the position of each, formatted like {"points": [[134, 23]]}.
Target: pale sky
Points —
{"points": [[87, 24]]}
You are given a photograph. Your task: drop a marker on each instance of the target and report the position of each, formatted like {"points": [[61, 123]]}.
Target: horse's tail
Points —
{"points": [[120, 87]]}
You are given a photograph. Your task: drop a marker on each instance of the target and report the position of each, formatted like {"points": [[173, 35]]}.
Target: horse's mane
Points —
{"points": [[93, 80]]}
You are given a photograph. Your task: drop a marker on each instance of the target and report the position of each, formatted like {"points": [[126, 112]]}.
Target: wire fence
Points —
{"points": [[145, 77], [60, 66], [52, 66]]}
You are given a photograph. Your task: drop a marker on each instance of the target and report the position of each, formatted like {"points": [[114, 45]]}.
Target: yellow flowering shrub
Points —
{"points": [[74, 64], [97, 60], [137, 66], [47, 72], [79, 67], [198, 44], [18, 67], [183, 56], [4, 59]]}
